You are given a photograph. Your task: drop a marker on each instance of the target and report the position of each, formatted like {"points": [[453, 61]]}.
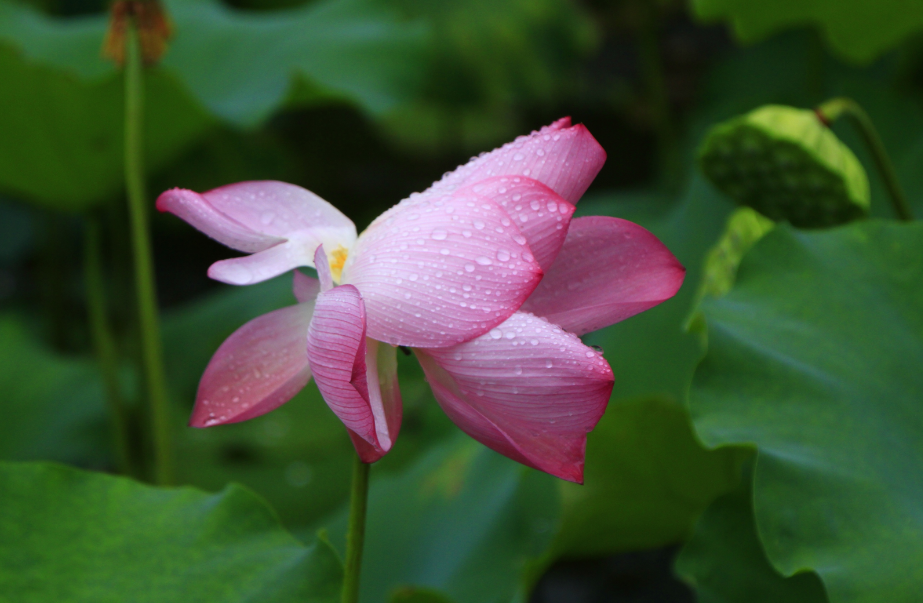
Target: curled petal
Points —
{"points": [[339, 354], [259, 266], [197, 211], [608, 270], [438, 273], [526, 389], [563, 157], [304, 287], [283, 221], [541, 215], [257, 369]]}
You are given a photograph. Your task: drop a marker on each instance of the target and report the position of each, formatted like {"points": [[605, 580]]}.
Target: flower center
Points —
{"points": [[336, 259]]}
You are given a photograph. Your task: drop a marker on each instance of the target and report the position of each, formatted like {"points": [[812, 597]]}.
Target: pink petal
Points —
{"points": [[197, 211], [284, 222], [541, 215], [608, 270], [304, 287], [337, 350], [260, 266], [281, 209], [526, 389], [322, 264], [437, 273], [563, 157], [256, 370], [385, 399]]}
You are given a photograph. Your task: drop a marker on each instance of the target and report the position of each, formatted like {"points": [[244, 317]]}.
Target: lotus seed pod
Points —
{"points": [[786, 164], [744, 228]]}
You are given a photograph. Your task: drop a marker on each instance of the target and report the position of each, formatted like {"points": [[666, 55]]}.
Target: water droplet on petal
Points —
{"points": [[439, 235], [496, 333], [469, 267], [483, 261], [503, 255]]}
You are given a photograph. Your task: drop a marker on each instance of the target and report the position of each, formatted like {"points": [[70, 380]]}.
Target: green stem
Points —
{"points": [[104, 343], [831, 110], [152, 355], [356, 534]]}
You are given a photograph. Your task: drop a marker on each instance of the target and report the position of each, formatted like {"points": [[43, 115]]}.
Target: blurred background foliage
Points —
{"points": [[366, 101]]}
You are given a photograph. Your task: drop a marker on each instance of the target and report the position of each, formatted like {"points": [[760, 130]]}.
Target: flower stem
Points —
{"points": [[356, 534], [834, 108], [152, 355], [104, 343]]}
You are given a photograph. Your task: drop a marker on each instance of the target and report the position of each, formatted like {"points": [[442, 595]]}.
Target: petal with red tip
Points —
{"points": [[349, 375], [256, 370], [440, 272], [563, 157], [608, 270], [541, 215], [527, 389]]}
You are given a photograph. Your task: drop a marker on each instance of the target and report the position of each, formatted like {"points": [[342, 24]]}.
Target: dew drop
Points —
{"points": [[503, 255], [478, 224], [439, 235], [483, 261], [469, 267], [496, 333]]}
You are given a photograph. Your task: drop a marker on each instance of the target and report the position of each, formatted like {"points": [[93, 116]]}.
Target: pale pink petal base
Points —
{"points": [[437, 273], [526, 389], [304, 287], [259, 266], [563, 157], [256, 370], [349, 375], [608, 270]]}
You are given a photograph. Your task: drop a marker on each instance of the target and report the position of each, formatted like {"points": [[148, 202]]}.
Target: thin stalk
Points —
{"points": [[356, 534], [831, 110], [149, 322], [104, 344]]}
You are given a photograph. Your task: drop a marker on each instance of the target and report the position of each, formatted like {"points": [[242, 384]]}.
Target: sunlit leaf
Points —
{"points": [[858, 30], [814, 357], [69, 535]]}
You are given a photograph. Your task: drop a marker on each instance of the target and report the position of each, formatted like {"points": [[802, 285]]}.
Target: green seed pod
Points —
{"points": [[786, 164], [744, 228]]}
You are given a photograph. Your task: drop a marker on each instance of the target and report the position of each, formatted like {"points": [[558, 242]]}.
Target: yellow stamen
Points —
{"points": [[337, 259]]}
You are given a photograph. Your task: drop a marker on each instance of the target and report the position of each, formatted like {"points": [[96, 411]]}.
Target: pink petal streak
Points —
{"points": [[608, 270], [526, 389]]}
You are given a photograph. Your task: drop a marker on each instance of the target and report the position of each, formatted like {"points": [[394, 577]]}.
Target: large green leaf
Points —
{"points": [[726, 563], [462, 519], [62, 117], [647, 481], [52, 405], [69, 535], [814, 358], [858, 30]]}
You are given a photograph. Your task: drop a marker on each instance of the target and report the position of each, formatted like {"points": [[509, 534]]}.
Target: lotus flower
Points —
{"points": [[484, 275]]}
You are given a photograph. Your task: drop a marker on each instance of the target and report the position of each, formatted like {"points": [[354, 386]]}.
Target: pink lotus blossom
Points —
{"points": [[485, 275]]}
